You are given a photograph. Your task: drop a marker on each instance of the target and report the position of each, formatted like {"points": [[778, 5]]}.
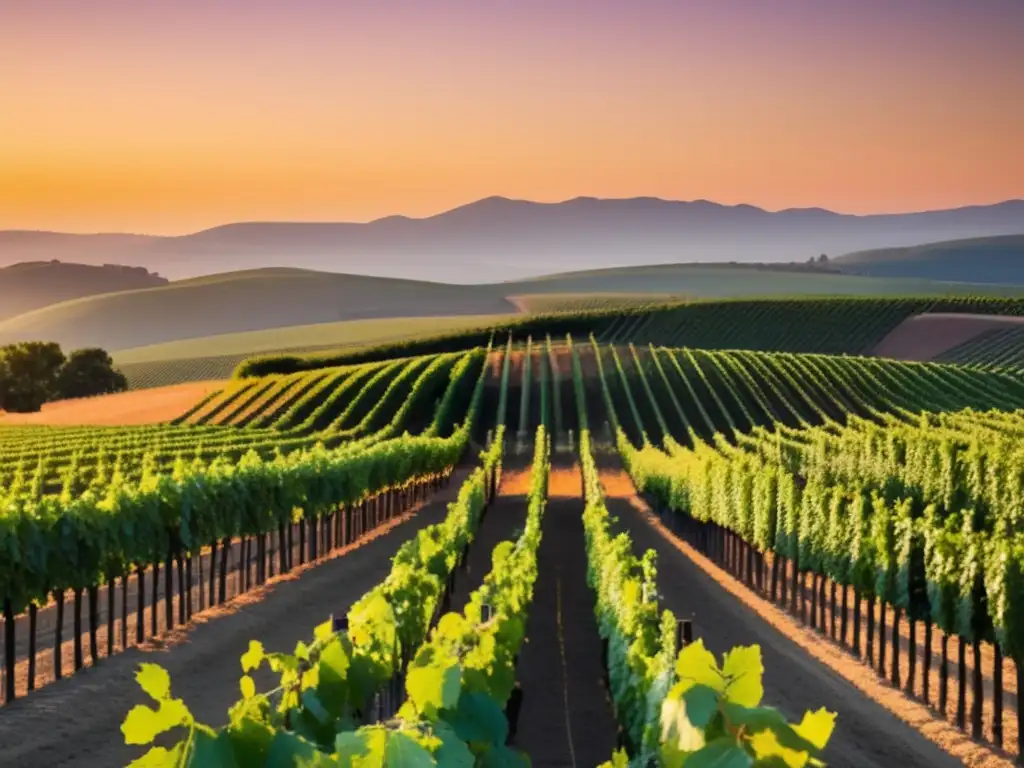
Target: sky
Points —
{"points": [[170, 117]]}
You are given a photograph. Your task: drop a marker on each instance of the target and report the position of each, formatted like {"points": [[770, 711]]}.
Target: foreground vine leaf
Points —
{"points": [[721, 753], [433, 688], [143, 724], [743, 670], [154, 680], [160, 757]]}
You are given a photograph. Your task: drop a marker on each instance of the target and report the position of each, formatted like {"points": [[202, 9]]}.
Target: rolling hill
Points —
{"points": [[215, 357], [237, 302], [269, 300], [32, 285], [994, 260], [734, 280], [501, 239]]}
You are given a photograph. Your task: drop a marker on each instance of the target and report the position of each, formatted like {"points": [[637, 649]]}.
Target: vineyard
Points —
{"points": [[829, 326], [994, 349], [655, 318], [569, 542]]}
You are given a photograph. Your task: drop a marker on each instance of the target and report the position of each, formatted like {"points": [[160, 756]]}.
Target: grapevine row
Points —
{"points": [[677, 705], [832, 325], [923, 517], [455, 684]]}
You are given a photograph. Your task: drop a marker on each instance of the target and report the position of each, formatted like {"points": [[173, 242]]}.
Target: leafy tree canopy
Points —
{"points": [[89, 372], [35, 372]]}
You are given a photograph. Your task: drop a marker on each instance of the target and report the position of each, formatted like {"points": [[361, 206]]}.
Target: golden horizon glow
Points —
{"points": [[170, 120]]}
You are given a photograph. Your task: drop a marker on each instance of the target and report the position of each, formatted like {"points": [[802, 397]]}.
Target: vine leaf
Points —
{"points": [[159, 757], [323, 632], [701, 705], [478, 718], [433, 688], [744, 671], [213, 750], [503, 757], [290, 751], [767, 748], [696, 665], [453, 752], [755, 720], [720, 753], [252, 658], [248, 687], [144, 724], [404, 752], [364, 748], [154, 680], [817, 727], [250, 740], [676, 728]]}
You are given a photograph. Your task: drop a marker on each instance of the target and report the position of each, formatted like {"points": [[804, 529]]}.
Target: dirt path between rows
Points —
{"points": [[566, 718], [502, 519], [76, 721], [925, 337], [877, 726]]}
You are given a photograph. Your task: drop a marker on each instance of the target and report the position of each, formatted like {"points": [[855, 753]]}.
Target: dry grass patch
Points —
{"points": [[132, 408]]}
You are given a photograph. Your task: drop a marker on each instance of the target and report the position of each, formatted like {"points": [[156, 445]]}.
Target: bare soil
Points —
{"points": [[495, 361], [144, 406], [76, 721], [501, 520], [566, 717], [925, 337], [877, 724], [564, 483]]}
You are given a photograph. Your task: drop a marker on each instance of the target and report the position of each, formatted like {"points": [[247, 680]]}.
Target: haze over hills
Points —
{"points": [[239, 301], [32, 285], [979, 260], [498, 239], [256, 300]]}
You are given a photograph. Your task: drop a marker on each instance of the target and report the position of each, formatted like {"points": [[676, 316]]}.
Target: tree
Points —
{"points": [[823, 259], [28, 375], [89, 372]]}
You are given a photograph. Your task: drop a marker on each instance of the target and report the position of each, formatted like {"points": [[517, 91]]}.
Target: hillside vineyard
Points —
{"points": [[834, 326], [573, 520]]}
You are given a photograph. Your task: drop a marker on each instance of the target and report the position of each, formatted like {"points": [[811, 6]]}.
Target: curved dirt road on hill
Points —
{"points": [[76, 721], [924, 337], [867, 735]]}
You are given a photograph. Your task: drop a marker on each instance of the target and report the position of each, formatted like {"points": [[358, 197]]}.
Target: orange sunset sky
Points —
{"points": [[172, 117]]}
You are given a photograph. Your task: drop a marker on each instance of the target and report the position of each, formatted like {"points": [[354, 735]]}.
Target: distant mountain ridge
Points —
{"points": [[498, 238]]}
